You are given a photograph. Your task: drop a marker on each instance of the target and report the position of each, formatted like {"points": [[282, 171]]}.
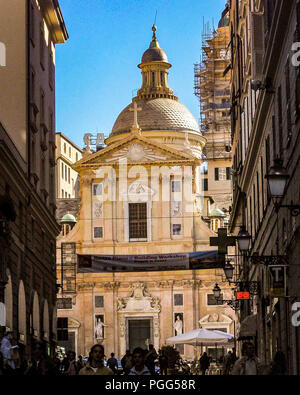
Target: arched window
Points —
{"points": [[36, 316], [8, 301], [46, 322], [22, 313], [153, 78], [162, 78]]}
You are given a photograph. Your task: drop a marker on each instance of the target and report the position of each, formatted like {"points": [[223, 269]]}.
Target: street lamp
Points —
{"points": [[243, 239], [277, 180], [228, 270], [217, 291], [234, 304]]}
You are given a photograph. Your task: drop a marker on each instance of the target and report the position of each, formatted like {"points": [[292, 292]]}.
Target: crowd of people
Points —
{"points": [[139, 362]]}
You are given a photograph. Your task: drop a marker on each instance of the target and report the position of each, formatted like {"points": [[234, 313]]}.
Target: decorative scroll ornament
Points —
{"points": [[139, 299], [135, 153]]}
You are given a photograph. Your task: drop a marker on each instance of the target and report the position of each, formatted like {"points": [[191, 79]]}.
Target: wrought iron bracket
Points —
{"points": [[267, 260], [234, 304], [294, 208]]}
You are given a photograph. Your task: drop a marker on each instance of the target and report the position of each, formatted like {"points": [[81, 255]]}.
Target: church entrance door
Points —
{"points": [[139, 333]]}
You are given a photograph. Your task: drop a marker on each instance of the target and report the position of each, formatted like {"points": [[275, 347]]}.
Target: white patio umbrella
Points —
{"points": [[229, 336], [199, 337]]}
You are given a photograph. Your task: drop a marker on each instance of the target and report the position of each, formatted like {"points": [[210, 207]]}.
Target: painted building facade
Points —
{"points": [[30, 31], [141, 195]]}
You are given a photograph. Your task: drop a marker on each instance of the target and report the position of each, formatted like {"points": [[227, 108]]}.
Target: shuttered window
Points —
{"points": [[62, 328], [216, 174], [228, 173], [178, 299], [99, 301], [137, 220]]}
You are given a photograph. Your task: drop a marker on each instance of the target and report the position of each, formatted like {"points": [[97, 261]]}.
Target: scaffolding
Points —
{"points": [[212, 87]]}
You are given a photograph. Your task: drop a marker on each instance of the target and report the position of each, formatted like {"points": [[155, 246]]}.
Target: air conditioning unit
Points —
{"points": [[257, 46]]}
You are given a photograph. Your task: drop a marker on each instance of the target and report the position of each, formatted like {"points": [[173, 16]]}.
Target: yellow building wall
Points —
{"points": [[13, 111]]}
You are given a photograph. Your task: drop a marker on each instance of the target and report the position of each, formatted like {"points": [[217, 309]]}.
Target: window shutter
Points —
{"points": [[257, 39], [62, 328], [227, 173], [216, 173], [298, 21]]}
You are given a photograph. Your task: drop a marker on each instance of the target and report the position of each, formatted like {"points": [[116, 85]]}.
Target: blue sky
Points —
{"points": [[96, 69]]}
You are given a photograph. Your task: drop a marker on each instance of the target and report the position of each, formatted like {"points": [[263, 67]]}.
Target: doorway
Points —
{"points": [[139, 333]]}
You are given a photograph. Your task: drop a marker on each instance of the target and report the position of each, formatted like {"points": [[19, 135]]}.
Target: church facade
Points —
{"points": [[141, 196]]}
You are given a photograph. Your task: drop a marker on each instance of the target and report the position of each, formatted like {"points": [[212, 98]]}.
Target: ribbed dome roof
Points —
{"points": [[68, 219], [154, 55], [157, 114]]}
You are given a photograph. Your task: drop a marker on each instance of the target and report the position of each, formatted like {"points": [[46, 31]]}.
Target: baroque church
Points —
{"points": [[141, 199]]}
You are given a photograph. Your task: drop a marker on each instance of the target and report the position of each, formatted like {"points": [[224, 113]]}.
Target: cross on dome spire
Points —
{"points": [[135, 110]]}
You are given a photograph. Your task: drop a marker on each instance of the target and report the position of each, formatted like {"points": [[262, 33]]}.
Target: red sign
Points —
{"points": [[242, 295]]}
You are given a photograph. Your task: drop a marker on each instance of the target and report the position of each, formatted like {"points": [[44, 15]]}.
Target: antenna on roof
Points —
{"points": [[155, 17]]}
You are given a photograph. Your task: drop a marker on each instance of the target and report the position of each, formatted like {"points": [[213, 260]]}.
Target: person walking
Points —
{"points": [[40, 365], [204, 363], [80, 363], [150, 359], [139, 368], [15, 355], [95, 365], [6, 350], [163, 363], [72, 369], [112, 363], [229, 361], [247, 365], [127, 362]]}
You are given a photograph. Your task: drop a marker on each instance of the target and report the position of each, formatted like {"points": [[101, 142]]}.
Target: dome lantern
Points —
{"points": [[155, 67]]}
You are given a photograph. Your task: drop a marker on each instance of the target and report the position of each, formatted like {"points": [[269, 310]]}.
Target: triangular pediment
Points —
{"points": [[134, 149]]}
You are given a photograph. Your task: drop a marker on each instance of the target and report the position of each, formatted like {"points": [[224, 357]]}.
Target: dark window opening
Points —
{"points": [[137, 220]]}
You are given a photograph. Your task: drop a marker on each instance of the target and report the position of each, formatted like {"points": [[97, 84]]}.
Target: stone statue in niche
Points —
{"points": [[99, 326], [178, 325]]}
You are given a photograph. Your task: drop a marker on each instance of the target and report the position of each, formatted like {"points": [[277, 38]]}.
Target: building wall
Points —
{"points": [[13, 109], [28, 180], [268, 128], [195, 237], [67, 153]]}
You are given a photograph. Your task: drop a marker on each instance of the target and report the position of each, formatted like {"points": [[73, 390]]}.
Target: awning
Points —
{"points": [[248, 327]]}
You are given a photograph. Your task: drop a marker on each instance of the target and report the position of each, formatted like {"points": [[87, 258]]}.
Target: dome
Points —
{"points": [[68, 219], [157, 114], [154, 55]]}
